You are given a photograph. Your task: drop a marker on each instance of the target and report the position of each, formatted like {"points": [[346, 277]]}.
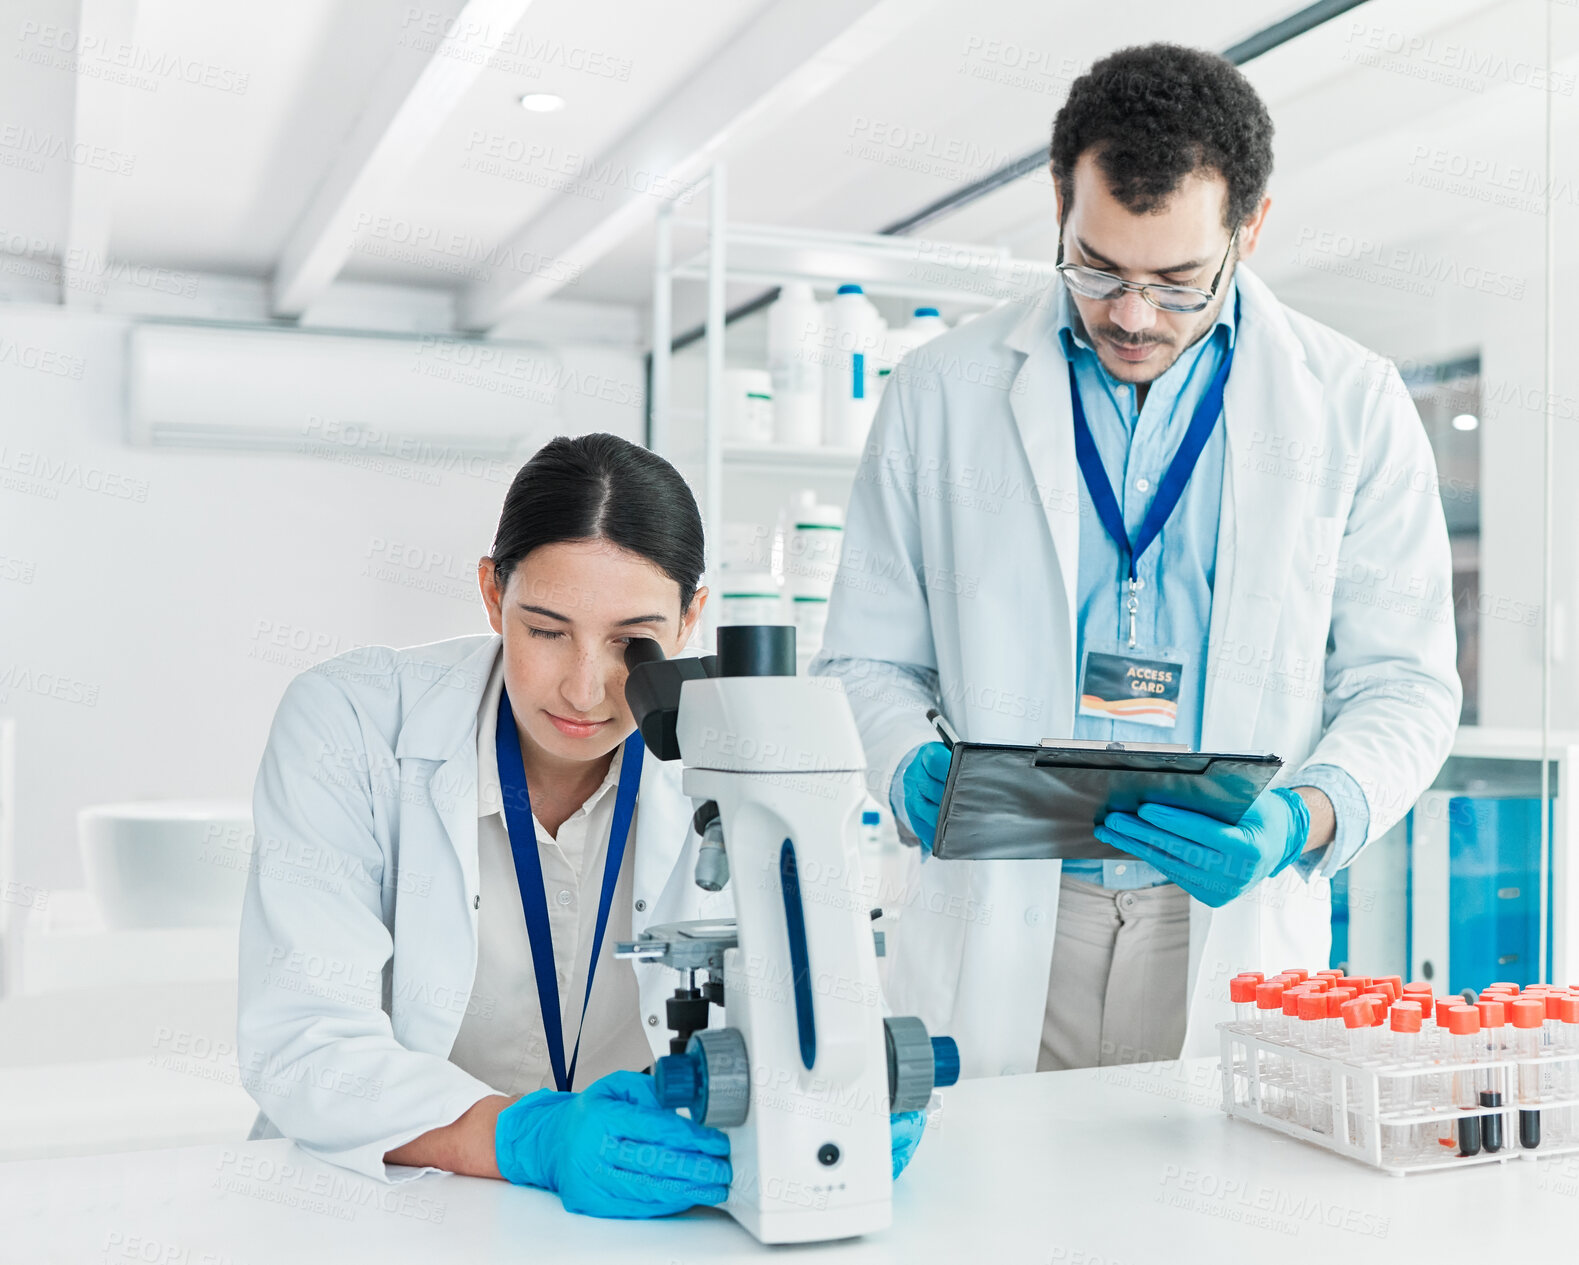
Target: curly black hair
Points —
{"points": [[1155, 113]]}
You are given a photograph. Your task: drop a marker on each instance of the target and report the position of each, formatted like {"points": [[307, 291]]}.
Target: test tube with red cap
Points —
{"points": [[1358, 1018], [1336, 1038], [1381, 1001], [1427, 1006], [1528, 1014], [1418, 992], [1242, 992], [1297, 1033], [1404, 1021], [1551, 1027], [1561, 1077], [1270, 1025], [1403, 1093], [1285, 1074], [1359, 1021], [1269, 1010], [1463, 1024], [1444, 1042], [1493, 1023], [1566, 1081], [1440, 1052], [1312, 1082]]}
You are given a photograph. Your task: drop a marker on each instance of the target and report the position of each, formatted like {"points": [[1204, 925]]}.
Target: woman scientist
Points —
{"points": [[449, 840], [445, 857]]}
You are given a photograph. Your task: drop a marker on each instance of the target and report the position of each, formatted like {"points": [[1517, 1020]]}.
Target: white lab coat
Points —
{"points": [[359, 929], [959, 580]]}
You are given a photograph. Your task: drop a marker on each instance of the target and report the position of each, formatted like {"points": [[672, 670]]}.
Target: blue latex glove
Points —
{"points": [[611, 1150], [1211, 860], [908, 1127], [922, 785]]}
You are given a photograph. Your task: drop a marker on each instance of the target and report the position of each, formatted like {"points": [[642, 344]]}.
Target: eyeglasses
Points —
{"points": [[1093, 283]]}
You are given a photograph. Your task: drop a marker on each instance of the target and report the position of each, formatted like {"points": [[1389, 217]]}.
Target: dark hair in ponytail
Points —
{"points": [[602, 487]]}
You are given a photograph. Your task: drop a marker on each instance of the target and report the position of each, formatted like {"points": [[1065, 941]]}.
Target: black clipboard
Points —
{"points": [[1004, 802]]}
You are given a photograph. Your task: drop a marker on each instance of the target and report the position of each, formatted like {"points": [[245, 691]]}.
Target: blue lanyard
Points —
{"points": [[1169, 491], [529, 876]]}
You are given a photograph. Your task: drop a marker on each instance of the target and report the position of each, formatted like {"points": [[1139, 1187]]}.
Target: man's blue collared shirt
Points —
{"points": [[1177, 571]]}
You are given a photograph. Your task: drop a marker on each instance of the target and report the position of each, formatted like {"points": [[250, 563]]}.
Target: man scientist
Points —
{"points": [[1159, 473]]}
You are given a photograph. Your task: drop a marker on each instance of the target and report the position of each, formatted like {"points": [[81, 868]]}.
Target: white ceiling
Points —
{"points": [[952, 99], [214, 175]]}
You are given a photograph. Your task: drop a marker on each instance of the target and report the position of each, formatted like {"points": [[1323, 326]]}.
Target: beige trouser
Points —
{"points": [[1120, 968]]}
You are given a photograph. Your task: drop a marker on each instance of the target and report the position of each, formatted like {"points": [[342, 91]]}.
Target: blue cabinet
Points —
{"points": [[1494, 891]]}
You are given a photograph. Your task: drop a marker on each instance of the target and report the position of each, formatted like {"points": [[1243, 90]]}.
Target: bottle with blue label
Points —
{"points": [[857, 337]]}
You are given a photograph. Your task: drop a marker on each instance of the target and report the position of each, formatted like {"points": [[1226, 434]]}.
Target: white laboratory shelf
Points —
{"points": [[898, 267], [785, 459], [913, 268]]}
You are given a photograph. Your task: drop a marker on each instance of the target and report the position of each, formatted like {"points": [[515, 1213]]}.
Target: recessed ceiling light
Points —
{"points": [[1466, 421], [542, 102]]}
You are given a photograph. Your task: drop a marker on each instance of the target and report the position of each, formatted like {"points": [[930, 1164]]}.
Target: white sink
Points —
{"points": [[167, 863]]}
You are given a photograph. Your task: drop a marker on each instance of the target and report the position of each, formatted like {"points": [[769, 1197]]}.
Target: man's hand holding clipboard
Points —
{"points": [[1048, 801]]}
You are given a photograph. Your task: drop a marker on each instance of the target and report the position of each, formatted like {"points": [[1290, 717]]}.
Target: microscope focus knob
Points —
{"points": [[725, 1091], [945, 1061], [910, 1063], [677, 1078], [711, 1080]]}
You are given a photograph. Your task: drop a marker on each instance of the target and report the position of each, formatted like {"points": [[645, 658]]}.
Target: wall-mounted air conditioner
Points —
{"points": [[283, 390]]}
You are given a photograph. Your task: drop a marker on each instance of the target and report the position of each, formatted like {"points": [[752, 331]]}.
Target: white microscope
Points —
{"points": [[804, 1077]]}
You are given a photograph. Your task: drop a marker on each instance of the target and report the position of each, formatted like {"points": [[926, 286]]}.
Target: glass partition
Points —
{"points": [[1414, 209]]}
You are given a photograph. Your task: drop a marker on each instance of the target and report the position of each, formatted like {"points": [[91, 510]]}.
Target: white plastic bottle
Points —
{"points": [[813, 541], [797, 333], [925, 325], [748, 406], [749, 597], [850, 381]]}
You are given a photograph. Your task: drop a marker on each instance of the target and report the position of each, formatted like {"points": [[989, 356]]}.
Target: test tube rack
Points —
{"points": [[1349, 1108]]}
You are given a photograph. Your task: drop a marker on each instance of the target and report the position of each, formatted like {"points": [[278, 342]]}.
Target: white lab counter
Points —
{"points": [[1122, 1166]]}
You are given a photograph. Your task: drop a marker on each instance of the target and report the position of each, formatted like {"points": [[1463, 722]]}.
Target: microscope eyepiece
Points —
{"points": [[652, 688], [642, 650], [652, 682]]}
